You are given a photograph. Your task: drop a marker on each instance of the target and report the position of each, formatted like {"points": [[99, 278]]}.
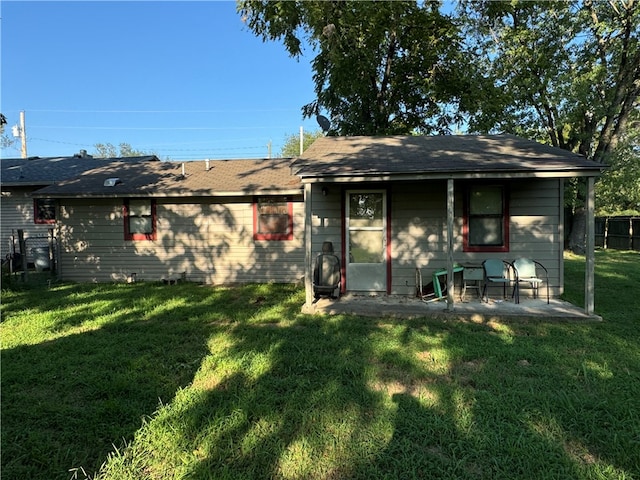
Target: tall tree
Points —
{"points": [[618, 191], [566, 73], [388, 67]]}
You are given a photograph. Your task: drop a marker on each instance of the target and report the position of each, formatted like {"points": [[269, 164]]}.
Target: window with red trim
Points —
{"points": [[486, 219], [139, 219], [272, 218], [44, 210]]}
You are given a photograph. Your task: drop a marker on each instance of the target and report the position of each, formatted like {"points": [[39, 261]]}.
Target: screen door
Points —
{"points": [[366, 239]]}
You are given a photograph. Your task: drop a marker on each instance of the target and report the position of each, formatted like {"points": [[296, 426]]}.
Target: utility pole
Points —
{"points": [[23, 134], [301, 139]]}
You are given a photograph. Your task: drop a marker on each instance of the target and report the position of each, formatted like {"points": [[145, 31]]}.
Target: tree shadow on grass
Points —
{"points": [[331, 398], [80, 394], [67, 401], [275, 394], [262, 403], [308, 379], [502, 407]]}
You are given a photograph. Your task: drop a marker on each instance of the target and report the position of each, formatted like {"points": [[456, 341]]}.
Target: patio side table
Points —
{"points": [[472, 277]]}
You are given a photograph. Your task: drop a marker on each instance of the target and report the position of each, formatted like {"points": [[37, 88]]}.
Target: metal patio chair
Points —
{"points": [[529, 272], [496, 273]]}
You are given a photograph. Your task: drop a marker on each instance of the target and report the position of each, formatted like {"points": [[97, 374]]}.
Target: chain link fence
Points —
{"points": [[34, 252]]}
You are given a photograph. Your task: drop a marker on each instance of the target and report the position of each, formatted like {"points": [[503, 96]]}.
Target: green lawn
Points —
{"points": [[147, 381]]}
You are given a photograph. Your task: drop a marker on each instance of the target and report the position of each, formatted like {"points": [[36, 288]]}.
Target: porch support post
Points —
{"points": [[450, 216], [589, 271], [308, 271]]}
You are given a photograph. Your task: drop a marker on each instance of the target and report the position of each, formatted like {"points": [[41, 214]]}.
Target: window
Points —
{"points": [[272, 218], [44, 210], [140, 219], [486, 220]]}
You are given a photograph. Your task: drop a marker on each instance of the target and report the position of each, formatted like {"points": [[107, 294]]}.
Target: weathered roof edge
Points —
{"points": [[212, 178], [395, 156], [43, 171], [42, 193]]}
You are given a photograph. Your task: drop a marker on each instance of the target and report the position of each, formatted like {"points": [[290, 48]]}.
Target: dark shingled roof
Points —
{"points": [[165, 179], [327, 158], [38, 171], [450, 154]]}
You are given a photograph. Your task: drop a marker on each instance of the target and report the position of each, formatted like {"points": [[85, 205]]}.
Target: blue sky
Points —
{"points": [[186, 80]]}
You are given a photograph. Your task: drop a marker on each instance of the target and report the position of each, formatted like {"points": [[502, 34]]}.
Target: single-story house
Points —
{"points": [[389, 205], [392, 204], [20, 177], [218, 222]]}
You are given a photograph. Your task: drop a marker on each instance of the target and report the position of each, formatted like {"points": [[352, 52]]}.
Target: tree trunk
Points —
{"points": [[577, 236]]}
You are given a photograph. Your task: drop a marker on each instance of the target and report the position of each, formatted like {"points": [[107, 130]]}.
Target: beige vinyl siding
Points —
{"points": [[536, 226], [16, 212], [419, 230], [326, 220], [418, 233], [207, 242]]}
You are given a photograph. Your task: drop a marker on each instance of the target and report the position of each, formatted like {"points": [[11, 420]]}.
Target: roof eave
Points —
{"points": [[386, 177], [176, 194], [25, 184]]}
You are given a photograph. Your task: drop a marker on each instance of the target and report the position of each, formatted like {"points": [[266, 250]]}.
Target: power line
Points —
{"points": [[170, 144], [58, 141], [166, 111], [203, 151], [224, 149], [209, 142], [69, 127]]}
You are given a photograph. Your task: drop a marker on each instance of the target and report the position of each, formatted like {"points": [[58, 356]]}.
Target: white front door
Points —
{"points": [[366, 239]]}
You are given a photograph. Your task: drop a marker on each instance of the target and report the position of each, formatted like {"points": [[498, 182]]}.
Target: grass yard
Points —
{"points": [[147, 381]]}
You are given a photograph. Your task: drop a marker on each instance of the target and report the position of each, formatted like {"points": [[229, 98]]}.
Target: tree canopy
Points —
{"points": [[5, 140], [618, 190], [566, 73], [108, 150], [379, 67]]}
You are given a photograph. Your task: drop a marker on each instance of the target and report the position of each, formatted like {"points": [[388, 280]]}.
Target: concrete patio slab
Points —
{"points": [[471, 309]]}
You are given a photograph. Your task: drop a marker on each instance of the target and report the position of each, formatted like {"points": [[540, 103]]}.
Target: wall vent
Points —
{"points": [[112, 182]]}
